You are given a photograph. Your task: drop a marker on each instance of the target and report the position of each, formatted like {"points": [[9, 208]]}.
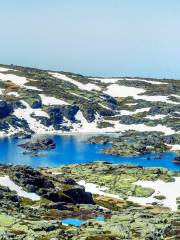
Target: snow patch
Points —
{"points": [[86, 87], [126, 112], [7, 182], [13, 94], [170, 190], [115, 80], [148, 81], [46, 100], [13, 78], [33, 88], [34, 124], [175, 147], [2, 91], [116, 90], [95, 189], [85, 127], [2, 69], [158, 116], [107, 80]]}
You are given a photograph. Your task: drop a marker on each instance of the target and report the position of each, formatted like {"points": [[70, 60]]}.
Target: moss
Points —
{"points": [[101, 237], [143, 192], [6, 220], [160, 197]]}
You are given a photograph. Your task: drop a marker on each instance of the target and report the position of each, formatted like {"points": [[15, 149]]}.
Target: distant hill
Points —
{"points": [[41, 101]]}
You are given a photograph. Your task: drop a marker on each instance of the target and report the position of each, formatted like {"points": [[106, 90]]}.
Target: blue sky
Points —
{"points": [[93, 37]]}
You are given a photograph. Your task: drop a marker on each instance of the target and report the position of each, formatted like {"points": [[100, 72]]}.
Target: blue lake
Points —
{"points": [[73, 149], [78, 222]]}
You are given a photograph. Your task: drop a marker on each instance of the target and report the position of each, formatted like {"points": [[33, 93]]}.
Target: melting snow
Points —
{"points": [[95, 189], [116, 90], [46, 100], [115, 80], [33, 88], [158, 116], [34, 124], [175, 147], [87, 87], [13, 78], [2, 69], [13, 94], [170, 190], [125, 112], [7, 182], [86, 127]]}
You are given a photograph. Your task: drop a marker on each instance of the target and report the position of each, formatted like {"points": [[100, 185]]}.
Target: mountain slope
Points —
{"points": [[39, 101]]}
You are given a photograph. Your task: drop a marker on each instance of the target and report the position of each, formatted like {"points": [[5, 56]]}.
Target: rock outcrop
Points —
{"points": [[39, 144]]}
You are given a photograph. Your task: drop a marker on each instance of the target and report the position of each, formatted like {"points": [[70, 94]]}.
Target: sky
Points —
{"points": [[93, 37]]}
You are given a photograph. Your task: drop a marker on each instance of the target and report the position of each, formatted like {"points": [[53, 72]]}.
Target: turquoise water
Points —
{"points": [[78, 222], [73, 149], [73, 221]]}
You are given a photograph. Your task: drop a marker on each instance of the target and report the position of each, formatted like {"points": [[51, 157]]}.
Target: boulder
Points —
{"points": [[37, 103], [57, 113], [56, 116], [79, 195], [89, 114], [69, 112], [5, 109], [177, 159]]}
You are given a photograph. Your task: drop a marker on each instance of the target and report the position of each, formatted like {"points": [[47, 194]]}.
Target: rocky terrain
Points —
{"points": [[35, 202], [135, 115], [39, 101], [131, 143]]}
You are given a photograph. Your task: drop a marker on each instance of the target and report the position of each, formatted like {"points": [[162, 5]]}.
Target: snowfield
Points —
{"points": [[46, 100]]}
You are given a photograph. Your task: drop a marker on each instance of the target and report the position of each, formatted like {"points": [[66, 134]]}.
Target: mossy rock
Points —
{"points": [[143, 191], [160, 197]]}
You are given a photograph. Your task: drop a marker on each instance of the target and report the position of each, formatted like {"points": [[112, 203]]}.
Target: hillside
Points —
{"points": [[40, 101]]}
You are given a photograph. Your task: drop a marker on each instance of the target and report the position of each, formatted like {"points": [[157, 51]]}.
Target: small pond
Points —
{"points": [[78, 222]]}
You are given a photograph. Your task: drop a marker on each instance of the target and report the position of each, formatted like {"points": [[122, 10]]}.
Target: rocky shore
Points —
{"points": [[135, 143], [39, 144]]}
